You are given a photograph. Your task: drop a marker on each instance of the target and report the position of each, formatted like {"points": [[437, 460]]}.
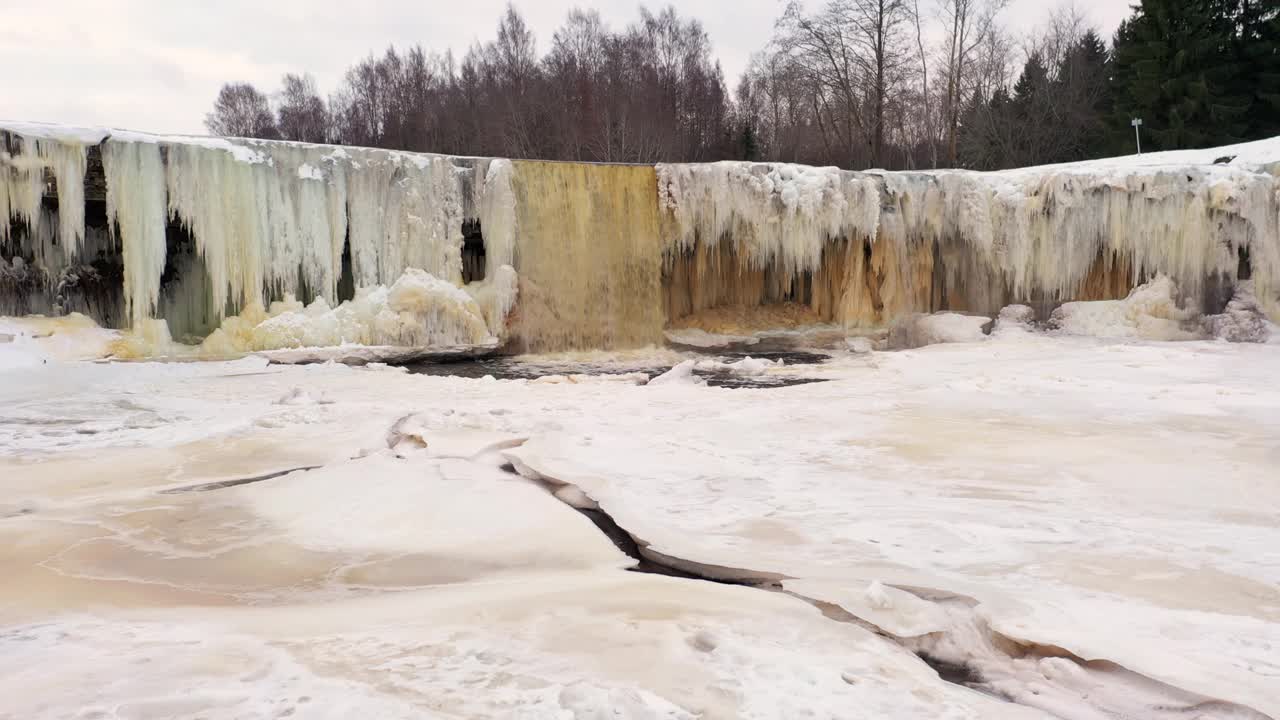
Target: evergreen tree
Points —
{"points": [[1031, 83], [1258, 48], [748, 145], [1083, 87], [1175, 66]]}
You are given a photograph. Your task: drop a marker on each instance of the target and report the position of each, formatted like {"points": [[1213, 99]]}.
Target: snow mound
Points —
{"points": [[1243, 320], [1015, 319], [746, 367], [681, 374], [859, 345], [919, 330], [1150, 312]]}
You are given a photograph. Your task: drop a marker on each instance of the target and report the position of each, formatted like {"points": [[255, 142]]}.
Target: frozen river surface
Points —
{"points": [[1024, 527]]}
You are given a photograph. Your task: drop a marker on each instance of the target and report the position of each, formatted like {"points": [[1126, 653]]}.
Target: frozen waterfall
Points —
{"points": [[249, 245]]}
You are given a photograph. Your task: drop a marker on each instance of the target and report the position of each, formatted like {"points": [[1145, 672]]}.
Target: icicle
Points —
{"points": [[780, 215], [1035, 235], [497, 206], [68, 161], [136, 206], [21, 185], [219, 200]]}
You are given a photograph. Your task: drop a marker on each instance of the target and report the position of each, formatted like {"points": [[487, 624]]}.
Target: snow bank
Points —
{"points": [[1150, 312], [35, 340], [946, 327], [1014, 320]]}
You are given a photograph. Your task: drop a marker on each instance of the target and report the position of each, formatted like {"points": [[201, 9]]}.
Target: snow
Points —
{"points": [[53, 131], [859, 345], [1104, 497], [680, 374], [1082, 516], [38, 340], [746, 367]]}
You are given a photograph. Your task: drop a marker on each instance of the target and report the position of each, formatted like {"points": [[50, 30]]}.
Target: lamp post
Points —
{"points": [[1137, 123]]}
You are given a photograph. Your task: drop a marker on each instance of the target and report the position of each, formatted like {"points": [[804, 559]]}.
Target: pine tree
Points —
{"points": [[1032, 82], [748, 145], [1175, 67], [1258, 47], [1083, 89]]}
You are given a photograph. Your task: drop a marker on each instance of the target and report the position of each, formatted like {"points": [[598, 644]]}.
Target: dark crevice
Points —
{"points": [[221, 484], [967, 675], [647, 561], [473, 251], [346, 278], [627, 544], [956, 674]]}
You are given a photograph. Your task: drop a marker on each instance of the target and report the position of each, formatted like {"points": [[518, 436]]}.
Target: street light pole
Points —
{"points": [[1137, 123]]}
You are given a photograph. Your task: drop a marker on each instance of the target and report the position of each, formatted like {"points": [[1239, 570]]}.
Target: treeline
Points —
{"points": [[897, 84]]}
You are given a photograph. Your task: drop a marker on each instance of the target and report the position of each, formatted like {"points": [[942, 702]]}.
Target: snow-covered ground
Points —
{"points": [[1087, 526]]}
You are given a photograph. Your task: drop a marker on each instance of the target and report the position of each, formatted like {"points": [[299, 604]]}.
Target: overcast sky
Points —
{"points": [[156, 65]]}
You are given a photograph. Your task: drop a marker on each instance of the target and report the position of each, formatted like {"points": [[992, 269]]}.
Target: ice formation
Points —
{"points": [[264, 220], [48, 267], [862, 249], [1150, 312], [418, 310], [574, 256], [1242, 320]]}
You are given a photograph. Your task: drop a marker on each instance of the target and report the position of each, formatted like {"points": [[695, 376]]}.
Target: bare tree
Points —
{"points": [[882, 25], [925, 106], [967, 26], [574, 69], [241, 111], [826, 47], [301, 114]]}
